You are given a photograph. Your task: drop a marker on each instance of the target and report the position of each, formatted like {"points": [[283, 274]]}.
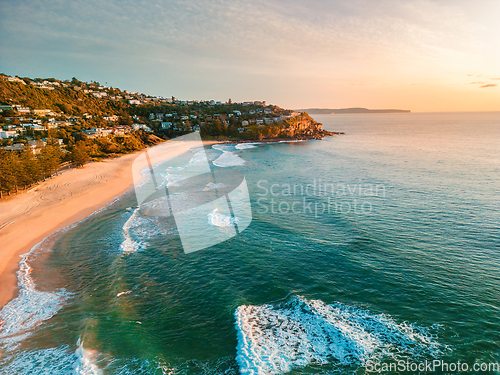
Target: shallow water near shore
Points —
{"points": [[366, 248]]}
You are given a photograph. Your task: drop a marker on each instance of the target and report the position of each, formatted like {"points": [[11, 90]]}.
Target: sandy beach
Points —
{"points": [[28, 218]]}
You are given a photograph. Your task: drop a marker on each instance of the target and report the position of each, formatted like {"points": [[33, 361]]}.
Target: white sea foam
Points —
{"points": [[52, 361], [277, 339], [172, 179], [124, 293], [84, 363], [243, 146], [223, 147], [20, 316], [214, 186], [65, 360], [228, 159], [199, 158], [129, 245], [23, 314], [217, 219], [293, 141]]}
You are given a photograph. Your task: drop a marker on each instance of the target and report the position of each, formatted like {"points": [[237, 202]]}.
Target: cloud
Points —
{"points": [[496, 79], [280, 49], [488, 85]]}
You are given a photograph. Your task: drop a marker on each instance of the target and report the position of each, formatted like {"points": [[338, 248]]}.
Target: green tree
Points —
{"points": [[50, 159], [8, 113], [9, 170], [65, 107], [80, 155], [107, 146], [29, 168], [125, 120], [131, 143]]}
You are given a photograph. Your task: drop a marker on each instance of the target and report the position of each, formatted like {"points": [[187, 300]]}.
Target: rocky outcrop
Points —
{"points": [[303, 126]]}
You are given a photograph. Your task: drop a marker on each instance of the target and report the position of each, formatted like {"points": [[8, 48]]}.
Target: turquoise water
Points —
{"points": [[376, 246]]}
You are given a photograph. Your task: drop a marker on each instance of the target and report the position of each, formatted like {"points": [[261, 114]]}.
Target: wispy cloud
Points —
{"points": [[285, 50], [488, 85]]}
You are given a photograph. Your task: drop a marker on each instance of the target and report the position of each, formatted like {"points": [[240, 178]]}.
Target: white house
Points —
{"points": [[15, 79], [5, 134], [110, 118], [41, 112], [141, 126], [15, 147]]}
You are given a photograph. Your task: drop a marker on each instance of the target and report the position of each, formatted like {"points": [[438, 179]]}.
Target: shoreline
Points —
{"points": [[270, 140], [29, 218]]}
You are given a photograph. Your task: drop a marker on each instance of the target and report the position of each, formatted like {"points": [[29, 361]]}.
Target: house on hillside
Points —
{"points": [[15, 147], [5, 134], [15, 79], [41, 112], [5, 107]]}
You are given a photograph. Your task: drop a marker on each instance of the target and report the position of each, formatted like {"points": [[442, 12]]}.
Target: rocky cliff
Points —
{"points": [[303, 126]]}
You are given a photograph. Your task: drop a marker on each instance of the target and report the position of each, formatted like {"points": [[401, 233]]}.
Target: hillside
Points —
{"points": [[58, 96], [92, 106]]}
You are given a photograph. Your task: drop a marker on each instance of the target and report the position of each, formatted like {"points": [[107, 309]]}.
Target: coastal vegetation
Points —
{"points": [[48, 123]]}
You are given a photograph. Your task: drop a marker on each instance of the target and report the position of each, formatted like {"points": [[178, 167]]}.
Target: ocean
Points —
{"points": [[360, 251]]}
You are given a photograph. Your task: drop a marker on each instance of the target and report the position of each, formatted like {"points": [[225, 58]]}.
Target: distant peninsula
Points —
{"points": [[327, 111]]}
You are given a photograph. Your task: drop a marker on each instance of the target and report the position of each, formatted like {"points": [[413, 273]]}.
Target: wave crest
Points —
{"points": [[276, 339]]}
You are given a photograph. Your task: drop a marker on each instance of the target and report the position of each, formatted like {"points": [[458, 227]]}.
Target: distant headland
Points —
{"points": [[327, 111]]}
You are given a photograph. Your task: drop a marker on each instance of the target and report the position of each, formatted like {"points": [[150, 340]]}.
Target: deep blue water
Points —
{"points": [[375, 246]]}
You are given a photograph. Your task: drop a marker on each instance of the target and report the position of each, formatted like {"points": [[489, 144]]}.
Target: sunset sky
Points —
{"points": [[418, 55]]}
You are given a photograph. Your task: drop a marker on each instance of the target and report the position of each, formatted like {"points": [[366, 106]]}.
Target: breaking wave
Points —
{"points": [[219, 220], [129, 245], [52, 361], [214, 186], [243, 146], [277, 339], [228, 158], [85, 361]]}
